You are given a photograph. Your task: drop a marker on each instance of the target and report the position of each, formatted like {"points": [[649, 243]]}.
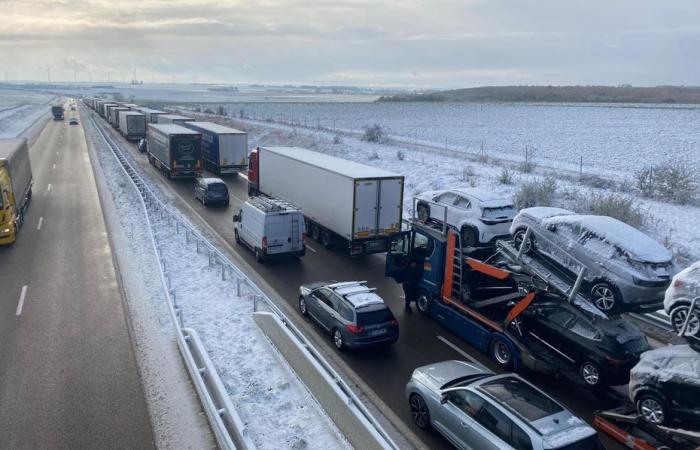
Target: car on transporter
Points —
{"points": [[678, 301], [352, 313], [482, 217], [474, 408], [626, 270]]}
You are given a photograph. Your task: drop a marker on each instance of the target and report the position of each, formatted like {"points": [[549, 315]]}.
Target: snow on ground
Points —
{"points": [[427, 168], [271, 400], [14, 97], [20, 109]]}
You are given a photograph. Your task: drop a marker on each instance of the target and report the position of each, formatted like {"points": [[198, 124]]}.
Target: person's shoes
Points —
{"points": [[408, 309]]}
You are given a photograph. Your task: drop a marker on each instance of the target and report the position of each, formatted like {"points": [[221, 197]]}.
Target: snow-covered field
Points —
{"points": [[273, 403], [426, 169], [619, 137], [20, 109]]}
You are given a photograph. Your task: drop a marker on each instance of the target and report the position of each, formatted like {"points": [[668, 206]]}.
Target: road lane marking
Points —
{"points": [[58, 153], [41, 222], [54, 166], [48, 188], [310, 248], [237, 197], [458, 350], [21, 300]]}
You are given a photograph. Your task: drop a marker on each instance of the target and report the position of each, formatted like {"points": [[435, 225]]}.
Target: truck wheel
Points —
{"points": [[423, 303], [327, 239], [501, 353], [315, 232]]}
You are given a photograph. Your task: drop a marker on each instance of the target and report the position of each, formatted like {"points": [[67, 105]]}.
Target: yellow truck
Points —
{"points": [[15, 187]]}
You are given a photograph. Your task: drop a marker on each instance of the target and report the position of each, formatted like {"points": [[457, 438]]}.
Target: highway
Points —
{"points": [[384, 371], [68, 377]]}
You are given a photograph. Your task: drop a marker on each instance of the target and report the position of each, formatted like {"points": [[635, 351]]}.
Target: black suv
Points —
{"points": [[352, 313]]}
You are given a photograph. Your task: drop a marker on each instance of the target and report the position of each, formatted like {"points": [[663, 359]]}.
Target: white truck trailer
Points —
{"points": [[174, 119], [132, 125], [224, 149], [343, 201]]}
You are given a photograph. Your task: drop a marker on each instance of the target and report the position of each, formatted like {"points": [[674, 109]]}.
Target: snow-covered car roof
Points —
{"points": [[672, 361], [359, 295], [486, 198], [639, 246], [211, 180], [545, 212]]}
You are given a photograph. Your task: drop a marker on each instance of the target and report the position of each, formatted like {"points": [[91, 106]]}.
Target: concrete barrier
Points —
{"points": [[337, 405]]}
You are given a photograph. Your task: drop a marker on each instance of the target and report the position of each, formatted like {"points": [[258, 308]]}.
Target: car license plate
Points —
{"points": [[377, 332]]}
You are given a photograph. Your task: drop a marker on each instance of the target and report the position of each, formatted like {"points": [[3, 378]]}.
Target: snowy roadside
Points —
{"points": [[427, 168], [274, 404]]}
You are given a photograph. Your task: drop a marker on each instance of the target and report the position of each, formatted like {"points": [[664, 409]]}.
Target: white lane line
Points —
{"points": [[21, 300], [41, 222], [48, 188], [54, 166], [458, 350], [58, 153], [236, 197], [310, 248]]}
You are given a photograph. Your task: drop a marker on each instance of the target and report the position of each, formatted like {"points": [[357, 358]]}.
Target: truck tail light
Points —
{"points": [[264, 242], [355, 329]]}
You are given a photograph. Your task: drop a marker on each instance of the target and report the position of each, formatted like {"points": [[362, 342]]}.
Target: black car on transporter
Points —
{"points": [[353, 314]]}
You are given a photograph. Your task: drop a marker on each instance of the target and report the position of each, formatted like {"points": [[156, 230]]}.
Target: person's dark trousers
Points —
{"points": [[409, 293]]}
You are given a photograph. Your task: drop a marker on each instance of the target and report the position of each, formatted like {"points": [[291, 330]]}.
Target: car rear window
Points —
{"points": [[637, 346], [504, 212], [217, 187], [590, 443], [521, 398], [374, 317]]}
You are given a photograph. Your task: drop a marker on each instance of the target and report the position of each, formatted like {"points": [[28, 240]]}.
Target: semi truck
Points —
{"points": [[58, 112], [114, 115], [152, 114], [344, 202], [132, 125], [15, 187], [104, 108], [173, 119], [224, 149], [175, 150]]}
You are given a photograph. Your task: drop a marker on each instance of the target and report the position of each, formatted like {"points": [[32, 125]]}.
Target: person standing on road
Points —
{"points": [[413, 274]]}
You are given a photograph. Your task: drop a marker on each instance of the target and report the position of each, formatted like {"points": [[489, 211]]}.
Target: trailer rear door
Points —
{"points": [[365, 208], [390, 198]]}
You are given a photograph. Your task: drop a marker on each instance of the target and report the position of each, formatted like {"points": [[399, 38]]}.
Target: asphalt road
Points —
{"points": [[385, 371], [68, 377]]}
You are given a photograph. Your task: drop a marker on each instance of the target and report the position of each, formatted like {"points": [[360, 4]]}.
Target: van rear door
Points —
{"points": [[279, 233]]}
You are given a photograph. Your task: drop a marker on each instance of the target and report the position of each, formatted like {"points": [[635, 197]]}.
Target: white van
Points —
{"points": [[270, 227]]}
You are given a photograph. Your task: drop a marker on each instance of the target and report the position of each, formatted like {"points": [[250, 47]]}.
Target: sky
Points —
{"points": [[398, 43]]}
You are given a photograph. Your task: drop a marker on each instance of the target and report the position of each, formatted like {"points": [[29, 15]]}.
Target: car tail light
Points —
{"points": [[172, 163], [355, 329], [304, 236], [615, 361], [199, 164], [394, 323], [678, 283], [264, 242]]}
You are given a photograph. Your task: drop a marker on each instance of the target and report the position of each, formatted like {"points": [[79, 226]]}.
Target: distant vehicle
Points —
{"points": [[114, 114], [210, 191], [481, 216], [142, 145], [73, 121], [173, 119], [15, 187], [679, 296], [665, 385], [132, 125], [224, 149], [72, 108], [270, 227], [353, 314], [58, 112], [174, 150], [626, 270], [344, 202], [475, 409]]}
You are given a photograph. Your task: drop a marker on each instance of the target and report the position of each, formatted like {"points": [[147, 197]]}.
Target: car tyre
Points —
{"points": [[423, 212], [679, 314], [258, 255], [590, 374], [419, 411], [651, 408], [469, 237], [302, 306], [501, 353], [338, 340], [518, 239], [605, 297], [423, 302]]}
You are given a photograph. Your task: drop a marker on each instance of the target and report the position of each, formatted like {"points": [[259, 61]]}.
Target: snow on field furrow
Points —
{"points": [[279, 410], [14, 121]]}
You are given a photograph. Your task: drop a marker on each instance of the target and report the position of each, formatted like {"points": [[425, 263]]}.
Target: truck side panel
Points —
{"points": [[20, 172]]}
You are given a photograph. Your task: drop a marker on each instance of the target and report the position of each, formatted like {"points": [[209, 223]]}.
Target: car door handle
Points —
{"points": [[464, 424]]}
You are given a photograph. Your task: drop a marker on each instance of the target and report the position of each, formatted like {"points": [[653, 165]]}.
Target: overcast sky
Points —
{"points": [[431, 43]]}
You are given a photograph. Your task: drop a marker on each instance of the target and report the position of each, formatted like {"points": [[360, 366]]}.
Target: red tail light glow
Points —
{"points": [[354, 329], [264, 242]]}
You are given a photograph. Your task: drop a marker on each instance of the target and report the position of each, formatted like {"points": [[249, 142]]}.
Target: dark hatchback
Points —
{"points": [[353, 314]]}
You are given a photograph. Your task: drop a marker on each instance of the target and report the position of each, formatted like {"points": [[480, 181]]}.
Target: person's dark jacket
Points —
{"points": [[413, 275]]}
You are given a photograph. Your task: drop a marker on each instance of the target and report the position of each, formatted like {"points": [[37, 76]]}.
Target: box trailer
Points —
{"points": [[15, 187], [343, 201], [224, 149], [151, 114], [132, 125], [114, 115], [173, 119], [175, 150], [105, 107]]}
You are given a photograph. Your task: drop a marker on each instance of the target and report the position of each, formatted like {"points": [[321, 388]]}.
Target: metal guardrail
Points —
{"points": [[243, 282]]}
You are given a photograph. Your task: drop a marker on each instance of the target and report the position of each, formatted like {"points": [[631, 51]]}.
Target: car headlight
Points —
{"points": [[6, 231]]}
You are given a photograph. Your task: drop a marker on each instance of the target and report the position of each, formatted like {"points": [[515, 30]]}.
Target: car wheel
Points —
{"points": [[419, 411], [469, 237], [651, 408], [302, 306], [423, 303], [236, 237], [604, 297], [315, 232], [226, 203], [518, 239], [590, 373], [679, 314], [423, 212], [501, 353], [258, 255], [338, 339], [327, 239]]}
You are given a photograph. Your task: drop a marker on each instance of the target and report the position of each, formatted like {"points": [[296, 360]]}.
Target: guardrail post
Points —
{"points": [[238, 287], [223, 272], [198, 246], [187, 236], [209, 258], [177, 226]]}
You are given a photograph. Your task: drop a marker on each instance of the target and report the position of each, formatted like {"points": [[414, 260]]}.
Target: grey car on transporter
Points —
{"points": [[475, 409], [353, 314], [626, 270]]}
